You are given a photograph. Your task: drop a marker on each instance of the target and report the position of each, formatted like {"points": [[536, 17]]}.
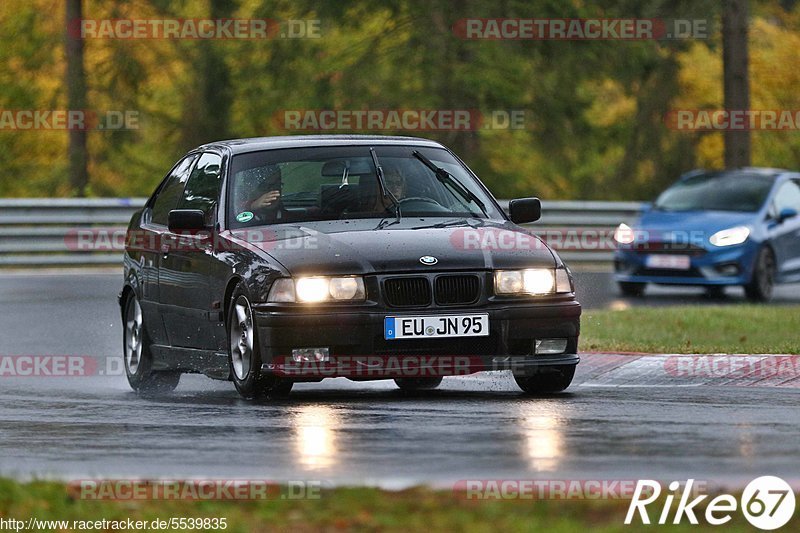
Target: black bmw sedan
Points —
{"points": [[277, 260]]}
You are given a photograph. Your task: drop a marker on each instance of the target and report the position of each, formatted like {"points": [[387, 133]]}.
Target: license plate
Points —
{"points": [[427, 327], [671, 262]]}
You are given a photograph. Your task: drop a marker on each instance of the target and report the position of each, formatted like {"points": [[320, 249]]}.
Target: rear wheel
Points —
{"points": [[244, 355], [762, 284], [547, 379], [414, 384], [138, 357], [632, 289]]}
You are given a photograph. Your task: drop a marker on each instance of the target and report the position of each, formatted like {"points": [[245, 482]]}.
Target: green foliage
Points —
{"points": [[594, 110]]}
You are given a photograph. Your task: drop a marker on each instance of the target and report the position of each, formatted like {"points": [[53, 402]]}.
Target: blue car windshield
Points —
{"points": [[717, 192]]}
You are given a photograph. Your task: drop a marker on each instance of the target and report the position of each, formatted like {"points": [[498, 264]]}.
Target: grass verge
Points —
{"points": [[749, 329], [343, 509]]}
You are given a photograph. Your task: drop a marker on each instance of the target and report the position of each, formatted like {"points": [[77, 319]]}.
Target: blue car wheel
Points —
{"points": [[762, 283]]}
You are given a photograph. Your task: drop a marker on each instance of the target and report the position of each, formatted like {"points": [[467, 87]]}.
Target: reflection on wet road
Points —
{"points": [[341, 432], [344, 432]]}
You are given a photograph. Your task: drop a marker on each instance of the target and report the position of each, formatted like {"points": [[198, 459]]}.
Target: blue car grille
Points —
{"points": [[655, 247]]}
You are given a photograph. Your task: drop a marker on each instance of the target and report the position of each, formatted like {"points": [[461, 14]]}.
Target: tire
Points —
{"points": [[138, 355], [244, 354], [634, 290], [762, 284], [415, 384], [548, 380]]}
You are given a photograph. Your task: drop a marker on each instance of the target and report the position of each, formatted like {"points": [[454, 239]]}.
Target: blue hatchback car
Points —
{"points": [[716, 229]]}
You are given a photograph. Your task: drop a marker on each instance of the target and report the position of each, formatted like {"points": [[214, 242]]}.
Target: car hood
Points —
{"points": [[356, 247], [662, 225]]}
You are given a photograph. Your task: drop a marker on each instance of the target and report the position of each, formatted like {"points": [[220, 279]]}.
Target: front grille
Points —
{"points": [[669, 273], [407, 292], [454, 290], [659, 247], [449, 346]]}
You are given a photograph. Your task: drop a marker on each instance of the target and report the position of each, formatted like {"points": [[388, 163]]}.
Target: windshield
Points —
{"points": [[717, 192], [338, 183]]}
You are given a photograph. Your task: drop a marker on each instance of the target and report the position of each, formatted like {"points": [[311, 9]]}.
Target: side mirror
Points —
{"points": [[525, 210], [186, 220], [786, 213]]}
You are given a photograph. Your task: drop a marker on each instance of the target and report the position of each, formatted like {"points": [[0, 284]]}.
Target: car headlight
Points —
{"points": [[534, 281], [317, 289], [624, 234], [730, 237]]}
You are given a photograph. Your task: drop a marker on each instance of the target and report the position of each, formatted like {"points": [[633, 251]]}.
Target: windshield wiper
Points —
{"points": [[459, 222], [384, 190], [446, 178]]}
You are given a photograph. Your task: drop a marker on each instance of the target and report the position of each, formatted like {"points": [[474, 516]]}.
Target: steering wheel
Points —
{"points": [[421, 200]]}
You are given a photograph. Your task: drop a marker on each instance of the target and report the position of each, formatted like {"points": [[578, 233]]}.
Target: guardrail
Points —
{"points": [[48, 232]]}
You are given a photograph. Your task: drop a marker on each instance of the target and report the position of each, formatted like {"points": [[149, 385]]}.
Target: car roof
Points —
{"points": [[774, 173], [255, 144]]}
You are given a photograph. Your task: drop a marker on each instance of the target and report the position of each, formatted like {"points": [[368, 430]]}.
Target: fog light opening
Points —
{"points": [[549, 346], [728, 269], [311, 355]]}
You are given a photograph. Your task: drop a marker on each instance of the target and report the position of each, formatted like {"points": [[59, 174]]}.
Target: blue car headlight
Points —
{"points": [[730, 237]]}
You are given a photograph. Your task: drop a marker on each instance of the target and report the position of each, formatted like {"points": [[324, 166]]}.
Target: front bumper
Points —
{"points": [[358, 349], [712, 267]]}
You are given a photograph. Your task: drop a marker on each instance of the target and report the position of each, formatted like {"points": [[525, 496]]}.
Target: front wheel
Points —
{"points": [[547, 380], [415, 384], [762, 284], [138, 357], [244, 355]]}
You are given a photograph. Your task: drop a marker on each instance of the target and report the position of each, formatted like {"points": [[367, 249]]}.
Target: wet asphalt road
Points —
{"points": [[341, 432]]}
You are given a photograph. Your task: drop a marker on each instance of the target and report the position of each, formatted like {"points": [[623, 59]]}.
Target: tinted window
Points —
{"points": [[335, 183], [717, 192], [788, 197], [167, 198], [202, 189]]}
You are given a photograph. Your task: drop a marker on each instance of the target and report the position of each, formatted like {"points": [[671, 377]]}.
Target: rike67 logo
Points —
{"points": [[767, 502]]}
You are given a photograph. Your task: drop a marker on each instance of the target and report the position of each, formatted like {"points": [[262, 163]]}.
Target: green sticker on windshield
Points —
{"points": [[244, 216]]}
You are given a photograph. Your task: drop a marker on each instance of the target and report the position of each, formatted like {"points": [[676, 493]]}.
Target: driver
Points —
{"points": [[259, 191], [395, 183]]}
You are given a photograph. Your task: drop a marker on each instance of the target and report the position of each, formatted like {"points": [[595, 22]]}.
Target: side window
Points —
{"points": [[788, 196], [170, 193], [202, 189]]}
